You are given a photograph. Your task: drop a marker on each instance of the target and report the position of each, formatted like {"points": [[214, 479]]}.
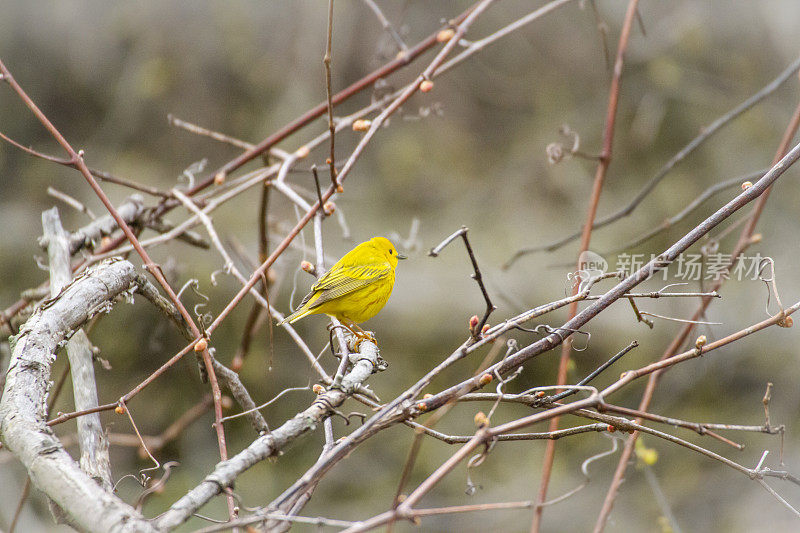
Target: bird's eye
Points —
{"points": [[391, 252]]}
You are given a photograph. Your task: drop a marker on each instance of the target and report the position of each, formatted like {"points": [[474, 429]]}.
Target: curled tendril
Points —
{"points": [[189, 172], [226, 269], [474, 462], [512, 345], [544, 330], [41, 264], [771, 283], [194, 285]]}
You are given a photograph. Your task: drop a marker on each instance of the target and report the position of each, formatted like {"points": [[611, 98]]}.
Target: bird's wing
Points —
{"points": [[343, 280]]}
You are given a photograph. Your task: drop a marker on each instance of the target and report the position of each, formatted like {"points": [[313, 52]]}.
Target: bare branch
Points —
{"points": [[22, 417]]}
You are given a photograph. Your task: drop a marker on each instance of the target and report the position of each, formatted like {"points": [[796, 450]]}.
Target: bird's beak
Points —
{"points": [[401, 256]]}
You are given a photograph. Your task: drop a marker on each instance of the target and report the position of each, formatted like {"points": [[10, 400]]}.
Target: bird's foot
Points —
{"points": [[361, 336]]}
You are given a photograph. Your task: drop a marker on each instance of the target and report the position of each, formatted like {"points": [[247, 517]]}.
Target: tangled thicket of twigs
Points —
{"points": [[88, 277]]}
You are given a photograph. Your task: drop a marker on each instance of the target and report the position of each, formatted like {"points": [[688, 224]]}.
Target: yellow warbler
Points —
{"points": [[355, 288]]}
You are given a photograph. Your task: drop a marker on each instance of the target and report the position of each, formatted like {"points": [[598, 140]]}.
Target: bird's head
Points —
{"points": [[385, 248]]}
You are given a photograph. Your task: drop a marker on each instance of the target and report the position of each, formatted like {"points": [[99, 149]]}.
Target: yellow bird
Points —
{"points": [[356, 288]]}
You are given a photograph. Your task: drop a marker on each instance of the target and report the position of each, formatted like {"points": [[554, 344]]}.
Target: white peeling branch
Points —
{"points": [[365, 362], [92, 441], [130, 211], [24, 403]]}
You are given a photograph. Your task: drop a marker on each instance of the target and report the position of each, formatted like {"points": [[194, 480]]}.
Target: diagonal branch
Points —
{"points": [[744, 241], [365, 363], [707, 133], [76, 159]]}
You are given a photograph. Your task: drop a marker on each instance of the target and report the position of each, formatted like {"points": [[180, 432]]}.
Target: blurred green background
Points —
{"points": [[470, 152]]}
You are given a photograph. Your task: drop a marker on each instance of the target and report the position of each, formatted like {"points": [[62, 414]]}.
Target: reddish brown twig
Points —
{"points": [[744, 241], [329, 94], [76, 159], [486, 435], [320, 109], [411, 89], [599, 179]]}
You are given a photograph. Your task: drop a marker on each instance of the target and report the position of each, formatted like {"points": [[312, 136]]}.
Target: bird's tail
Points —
{"points": [[297, 315]]}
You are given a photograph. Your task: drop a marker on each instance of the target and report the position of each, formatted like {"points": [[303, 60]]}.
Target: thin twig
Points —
{"points": [[317, 111], [745, 238], [707, 132], [586, 235], [476, 330], [690, 208], [76, 159], [70, 201], [387, 26], [596, 372], [329, 93]]}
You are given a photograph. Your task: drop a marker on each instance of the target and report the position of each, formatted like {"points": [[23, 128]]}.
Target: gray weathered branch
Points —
{"points": [[365, 362], [91, 439], [23, 406], [130, 211]]}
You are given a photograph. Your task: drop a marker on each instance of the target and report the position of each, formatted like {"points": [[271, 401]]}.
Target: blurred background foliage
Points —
{"points": [[470, 152]]}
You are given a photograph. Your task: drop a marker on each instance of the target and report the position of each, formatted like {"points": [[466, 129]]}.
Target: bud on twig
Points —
{"points": [[481, 420], [361, 124], [700, 342], [308, 267], [473, 323], [445, 35]]}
